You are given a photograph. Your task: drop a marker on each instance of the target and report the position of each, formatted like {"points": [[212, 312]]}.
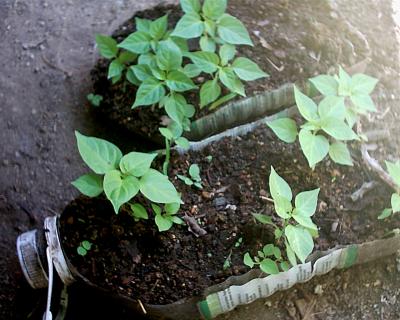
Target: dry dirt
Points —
{"points": [[47, 51]]}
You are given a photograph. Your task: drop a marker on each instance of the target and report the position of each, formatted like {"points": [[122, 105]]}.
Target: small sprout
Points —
{"points": [[227, 263], [95, 99], [209, 158], [195, 179], [394, 172], [238, 243], [166, 217], [84, 247]]}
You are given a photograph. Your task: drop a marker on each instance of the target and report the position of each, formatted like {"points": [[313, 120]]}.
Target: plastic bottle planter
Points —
{"points": [[217, 299]]}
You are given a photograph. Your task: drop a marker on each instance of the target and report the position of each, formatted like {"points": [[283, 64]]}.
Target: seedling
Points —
{"points": [[164, 221], [95, 99], [295, 230], [394, 172], [122, 177], [328, 126], [227, 262], [195, 179], [84, 247]]}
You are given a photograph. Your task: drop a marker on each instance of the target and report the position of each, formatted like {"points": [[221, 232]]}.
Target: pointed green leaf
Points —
{"points": [[338, 129], [118, 189], [351, 117], [189, 26], [158, 27], [306, 202], [227, 52], [263, 218], [179, 82], [150, 92], [209, 92], [157, 188], [137, 42], [325, 84], [290, 254], [191, 70], [362, 84], [172, 208], [231, 81], [190, 6], [207, 44], [139, 212], [315, 147], [247, 70], [269, 266], [305, 221], [395, 201], [127, 57], [307, 107], [283, 207], [163, 223], [344, 88], [394, 171], [169, 56], [142, 71], [213, 9], [300, 241], [247, 260], [136, 163], [143, 24], [385, 214], [90, 185], [284, 128], [332, 107], [278, 186], [107, 46], [183, 143], [115, 69], [340, 154], [363, 103], [232, 31], [194, 171], [206, 61], [100, 155]]}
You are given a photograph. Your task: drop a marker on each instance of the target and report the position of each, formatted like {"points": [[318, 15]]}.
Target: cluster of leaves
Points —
{"points": [[95, 99], [195, 179], [345, 98], [84, 247], [296, 229], [394, 172], [123, 177]]}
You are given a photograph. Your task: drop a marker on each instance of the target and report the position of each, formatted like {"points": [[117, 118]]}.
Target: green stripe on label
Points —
{"points": [[204, 310], [351, 256]]}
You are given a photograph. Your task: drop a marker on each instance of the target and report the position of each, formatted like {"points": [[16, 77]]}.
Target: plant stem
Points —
{"points": [[167, 156]]}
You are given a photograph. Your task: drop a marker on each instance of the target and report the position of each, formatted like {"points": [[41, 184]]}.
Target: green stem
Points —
{"points": [[167, 156]]}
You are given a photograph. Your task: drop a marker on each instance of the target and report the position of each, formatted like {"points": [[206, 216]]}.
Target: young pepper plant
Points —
{"points": [[295, 229], [195, 178], [122, 177], [394, 172]]}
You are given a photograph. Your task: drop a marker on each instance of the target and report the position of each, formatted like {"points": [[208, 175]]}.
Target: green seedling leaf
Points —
{"points": [[206, 61], [231, 81], [395, 201], [394, 171], [143, 25], [277, 253], [222, 100], [131, 77], [227, 52], [362, 84], [340, 154], [186, 180], [119, 189], [95, 99], [278, 233], [136, 163], [315, 147], [332, 107], [207, 44], [137, 42], [174, 105], [115, 69], [305, 221], [183, 143], [213, 9], [284, 266], [90, 185], [190, 6], [325, 84], [191, 70], [247, 260], [385, 214], [139, 212], [157, 209], [247, 70], [363, 103], [142, 71], [344, 88], [300, 241], [169, 56], [176, 220], [159, 27], [150, 92], [306, 202], [269, 266], [283, 206], [338, 129], [81, 251], [167, 133], [107, 46], [290, 254], [284, 128], [209, 92], [278, 186], [351, 117], [175, 129], [210, 27], [194, 171], [232, 31], [100, 155], [172, 208], [189, 26], [87, 245], [127, 57], [163, 223], [179, 82], [263, 218], [268, 250], [307, 107], [157, 188]]}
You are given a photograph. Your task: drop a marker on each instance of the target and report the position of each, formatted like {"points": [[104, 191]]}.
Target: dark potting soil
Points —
{"points": [[282, 48], [134, 259]]}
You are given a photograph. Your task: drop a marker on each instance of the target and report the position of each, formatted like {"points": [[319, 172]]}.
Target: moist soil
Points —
{"points": [[280, 49], [136, 260]]}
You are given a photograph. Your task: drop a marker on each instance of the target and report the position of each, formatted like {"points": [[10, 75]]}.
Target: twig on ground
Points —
{"points": [[194, 226], [366, 187]]}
